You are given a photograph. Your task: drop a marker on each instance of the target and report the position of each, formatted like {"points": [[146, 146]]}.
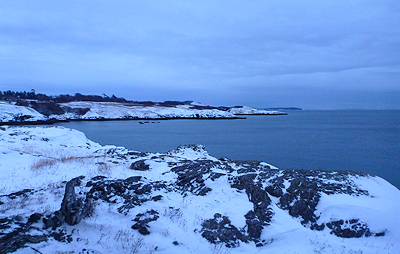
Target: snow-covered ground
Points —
{"points": [[113, 110], [10, 113], [36, 163], [84, 110], [253, 111]]}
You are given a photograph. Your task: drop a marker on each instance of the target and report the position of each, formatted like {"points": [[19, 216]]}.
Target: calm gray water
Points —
{"points": [[367, 141]]}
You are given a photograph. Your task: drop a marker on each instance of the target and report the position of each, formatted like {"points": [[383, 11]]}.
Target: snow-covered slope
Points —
{"points": [[253, 111], [10, 112], [62, 193], [113, 110], [84, 110]]}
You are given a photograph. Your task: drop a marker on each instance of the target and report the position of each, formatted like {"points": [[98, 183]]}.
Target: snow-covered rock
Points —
{"points": [[38, 112], [61, 191], [113, 110], [244, 110]]}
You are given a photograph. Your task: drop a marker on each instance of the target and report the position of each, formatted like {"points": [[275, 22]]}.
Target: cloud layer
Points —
{"points": [[311, 54]]}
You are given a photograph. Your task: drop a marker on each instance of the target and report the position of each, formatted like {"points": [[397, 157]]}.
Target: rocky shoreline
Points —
{"points": [[53, 121], [69, 193]]}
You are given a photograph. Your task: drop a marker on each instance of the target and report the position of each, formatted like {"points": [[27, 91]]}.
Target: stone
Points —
{"points": [[74, 208], [35, 217], [143, 219], [220, 230], [140, 165]]}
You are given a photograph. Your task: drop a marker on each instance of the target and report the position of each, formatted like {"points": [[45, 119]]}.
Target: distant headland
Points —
{"points": [[36, 108]]}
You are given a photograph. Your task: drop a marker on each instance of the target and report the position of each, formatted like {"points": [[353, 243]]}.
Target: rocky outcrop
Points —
{"points": [[73, 207], [220, 230], [47, 108], [142, 221], [140, 165], [353, 228], [297, 193]]}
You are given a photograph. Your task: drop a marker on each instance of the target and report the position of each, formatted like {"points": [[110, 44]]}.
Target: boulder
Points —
{"points": [[74, 208], [140, 165]]}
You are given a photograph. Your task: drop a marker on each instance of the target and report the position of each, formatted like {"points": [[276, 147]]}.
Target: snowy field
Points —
{"points": [[171, 212]]}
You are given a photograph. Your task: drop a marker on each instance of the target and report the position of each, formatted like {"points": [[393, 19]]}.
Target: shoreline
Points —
{"points": [[53, 121]]}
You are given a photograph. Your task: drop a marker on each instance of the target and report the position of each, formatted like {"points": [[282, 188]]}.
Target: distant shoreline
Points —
{"points": [[53, 121]]}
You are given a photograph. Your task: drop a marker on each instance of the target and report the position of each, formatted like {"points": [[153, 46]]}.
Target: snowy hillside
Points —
{"points": [[62, 193], [10, 113], [252, 111], [113, 110]]}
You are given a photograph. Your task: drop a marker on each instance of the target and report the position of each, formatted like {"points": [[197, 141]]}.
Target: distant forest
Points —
{"points": [[22, 97], [32, 95]]}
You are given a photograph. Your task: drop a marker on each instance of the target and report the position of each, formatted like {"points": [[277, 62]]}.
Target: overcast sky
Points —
{"points": [[337, 54]]}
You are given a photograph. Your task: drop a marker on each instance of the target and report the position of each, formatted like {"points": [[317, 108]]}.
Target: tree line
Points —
{"points": [[22, 98], [62, 98]]}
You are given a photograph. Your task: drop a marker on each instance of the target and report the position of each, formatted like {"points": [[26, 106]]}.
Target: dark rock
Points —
{"points": [[275, 190], [21, 118], [220, 230], [61, 236], [254, 225], [175, 243], [204, 191], [351, 229], [35, 217], [193, 174], [132, 179], [36, 238], [301, 199], [262, 213], [47, 108], [77, 111], [24, 193], [143, 219], [157, 198], [144, 189], [17, 234], [140, 165], [144, 231], [214, 175], [303, 194], [134, 191], [74, 208], [54, 220], [259, 244]]}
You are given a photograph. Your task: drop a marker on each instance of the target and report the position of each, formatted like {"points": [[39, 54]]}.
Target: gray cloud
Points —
{"points": [[222, 52]]}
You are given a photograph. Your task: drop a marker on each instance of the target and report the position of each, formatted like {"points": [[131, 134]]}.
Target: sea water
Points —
{"points": [[366, 141]]}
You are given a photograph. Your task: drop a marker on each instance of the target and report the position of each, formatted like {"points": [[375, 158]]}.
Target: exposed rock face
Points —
{"points": [[77, 111], [220, 230], [47, 108], [140, 165], [134, 191], [193, 174], [142, 221], [19, 236], [351, 229], [74, 208], [304, 192]]}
